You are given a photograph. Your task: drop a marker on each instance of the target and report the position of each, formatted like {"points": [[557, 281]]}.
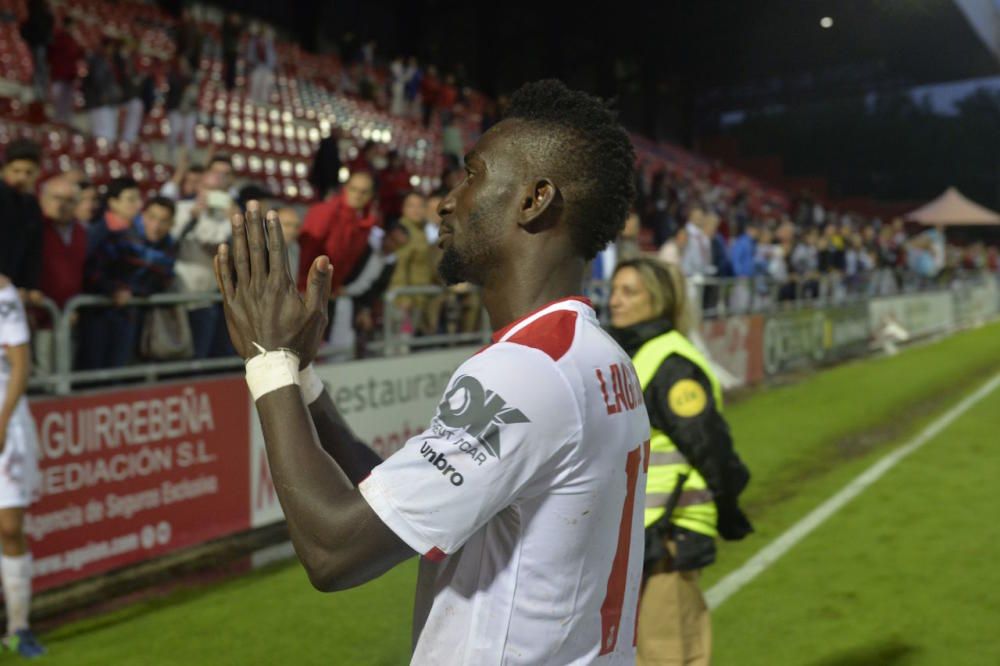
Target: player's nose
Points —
{"points": [[446, 206]]}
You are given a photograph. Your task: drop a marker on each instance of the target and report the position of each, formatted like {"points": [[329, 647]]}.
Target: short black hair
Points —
{"points": [[196, 168], [221, 157], [23, 149], [119, 185], [160, 200], [591, 152]]}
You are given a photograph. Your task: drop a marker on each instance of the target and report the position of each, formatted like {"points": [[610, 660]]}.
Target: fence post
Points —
{"points": [[388, 300], [64, 347]]}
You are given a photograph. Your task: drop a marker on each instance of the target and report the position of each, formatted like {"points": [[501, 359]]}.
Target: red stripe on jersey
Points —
{"points": [[614, 598], [551, 333], [503, 331], [435, 554]]}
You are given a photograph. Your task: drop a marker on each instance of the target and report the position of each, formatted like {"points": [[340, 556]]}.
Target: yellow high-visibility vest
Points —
{"points": [[695, 509]]}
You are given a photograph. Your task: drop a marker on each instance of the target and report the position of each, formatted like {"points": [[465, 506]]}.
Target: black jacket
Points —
{"points": [[20, 238], [325, 173], [703, 438]]}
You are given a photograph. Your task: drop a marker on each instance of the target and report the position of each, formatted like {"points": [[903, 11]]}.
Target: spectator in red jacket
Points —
{"points": [[65, 55], [64, 252], [339, 228], [393, 184], [64, 241]]}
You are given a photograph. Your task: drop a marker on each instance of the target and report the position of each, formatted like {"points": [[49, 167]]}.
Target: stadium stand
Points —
{"points": [[688, 205]]}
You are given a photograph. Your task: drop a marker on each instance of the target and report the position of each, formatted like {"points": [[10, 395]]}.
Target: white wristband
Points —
{"points": [[270, 371], [312, 385]]}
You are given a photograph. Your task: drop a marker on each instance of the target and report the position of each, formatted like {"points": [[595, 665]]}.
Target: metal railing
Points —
{"points": [[62, 379], [715, 297], [396, 341]]}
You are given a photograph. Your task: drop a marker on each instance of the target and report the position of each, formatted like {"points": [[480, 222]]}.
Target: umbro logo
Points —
{"points": [[8, 308], [440, 462], [479, 412]]}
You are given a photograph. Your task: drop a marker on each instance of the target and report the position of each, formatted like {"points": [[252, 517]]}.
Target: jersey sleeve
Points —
{"points": [[505, 425], [13, 322]]}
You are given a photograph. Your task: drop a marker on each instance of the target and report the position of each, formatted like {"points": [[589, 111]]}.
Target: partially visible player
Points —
{"points": [[18, 470], [524, 496]]}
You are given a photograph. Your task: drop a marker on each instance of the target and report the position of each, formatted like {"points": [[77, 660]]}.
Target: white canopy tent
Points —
{"points": [[953, 209]]}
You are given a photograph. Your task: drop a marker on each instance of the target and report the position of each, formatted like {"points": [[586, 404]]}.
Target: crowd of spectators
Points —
{"points": [[66, 236], [807, 253], [62, 243]]}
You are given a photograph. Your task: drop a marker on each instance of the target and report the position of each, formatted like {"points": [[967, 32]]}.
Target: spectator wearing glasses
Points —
{"points": [[64, 240]]}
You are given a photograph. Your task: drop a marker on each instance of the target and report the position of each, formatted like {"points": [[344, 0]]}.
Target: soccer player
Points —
{"points": [[18, 470], [524, 495]]}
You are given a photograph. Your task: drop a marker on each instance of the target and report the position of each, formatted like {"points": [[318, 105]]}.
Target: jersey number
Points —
{"points": [[614, 598]]}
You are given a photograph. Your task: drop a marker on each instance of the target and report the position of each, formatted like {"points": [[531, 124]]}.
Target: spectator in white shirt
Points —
{"points": [[697, 258]]}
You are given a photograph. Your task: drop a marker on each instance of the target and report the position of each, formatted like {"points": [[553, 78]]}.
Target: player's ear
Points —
{"points": [[540, 205]]}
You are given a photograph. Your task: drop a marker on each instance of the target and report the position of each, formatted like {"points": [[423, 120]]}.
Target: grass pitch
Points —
{"points": [[904, 575]]}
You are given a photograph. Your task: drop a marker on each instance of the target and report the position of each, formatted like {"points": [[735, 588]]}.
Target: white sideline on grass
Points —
{"points": [[767, 556]]}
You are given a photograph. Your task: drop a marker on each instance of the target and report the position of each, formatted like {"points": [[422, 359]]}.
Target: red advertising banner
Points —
{"points": [[737, 343], [128, 475]]}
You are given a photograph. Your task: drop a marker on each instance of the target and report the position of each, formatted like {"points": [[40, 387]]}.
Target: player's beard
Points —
{"points": [[452, 269], [474, 261]]}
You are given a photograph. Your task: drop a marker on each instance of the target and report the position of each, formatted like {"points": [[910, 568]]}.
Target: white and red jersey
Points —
{"points": [[19, 478], [525, 498]]}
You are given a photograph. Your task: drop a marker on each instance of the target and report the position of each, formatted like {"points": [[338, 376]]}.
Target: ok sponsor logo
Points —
{"points": [[479, 412], [8, 309], [440, 463]]}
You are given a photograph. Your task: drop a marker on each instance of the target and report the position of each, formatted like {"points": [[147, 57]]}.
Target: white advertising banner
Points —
{"points": [[919, 314], [385, 400], [976, 303]]}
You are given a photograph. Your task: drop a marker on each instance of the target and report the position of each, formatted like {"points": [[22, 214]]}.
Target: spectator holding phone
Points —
{"points": [[200, 226]]}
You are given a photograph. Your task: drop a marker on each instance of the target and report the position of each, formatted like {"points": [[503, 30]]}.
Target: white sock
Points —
{"points": [[16, 575]]}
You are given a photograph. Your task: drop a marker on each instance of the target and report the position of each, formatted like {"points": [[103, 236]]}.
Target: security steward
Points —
{"points": [[695, 475]]}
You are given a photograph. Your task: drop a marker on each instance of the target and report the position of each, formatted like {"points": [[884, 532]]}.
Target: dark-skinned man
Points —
{"points": [[524, 496]]}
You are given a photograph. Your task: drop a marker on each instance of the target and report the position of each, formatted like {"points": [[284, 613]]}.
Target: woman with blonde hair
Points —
{"points": [[695, 475]]}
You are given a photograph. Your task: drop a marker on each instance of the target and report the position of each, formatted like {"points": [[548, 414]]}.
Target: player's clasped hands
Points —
{"points": [[261, 302]]}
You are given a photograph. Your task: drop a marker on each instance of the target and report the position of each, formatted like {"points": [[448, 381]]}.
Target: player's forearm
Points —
{"points": [[314, 492], [353, 456]]}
